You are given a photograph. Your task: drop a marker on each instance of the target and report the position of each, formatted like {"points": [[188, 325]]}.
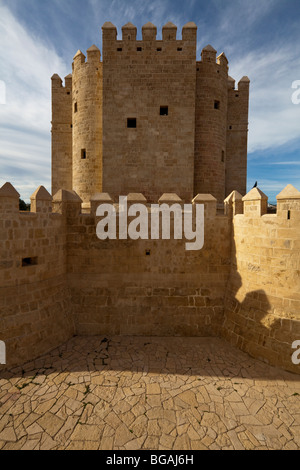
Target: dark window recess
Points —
{"points": [[164, 111], [148, 252], [179, 49], [71, 126], [119, 49], [131, 123], [75, 108], [237, 96], [83, 154], [29, 262], [289, 215], [68, 92], [139, 49], [217, 104], [223, 156], [158, 49], [198, 70], [230, 128]]}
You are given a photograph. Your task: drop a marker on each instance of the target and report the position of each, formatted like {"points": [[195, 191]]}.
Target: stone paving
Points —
{"points": [[148, 393]]}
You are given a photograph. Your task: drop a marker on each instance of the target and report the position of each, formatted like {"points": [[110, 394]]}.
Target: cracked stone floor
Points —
{"points": [[136, 393]]}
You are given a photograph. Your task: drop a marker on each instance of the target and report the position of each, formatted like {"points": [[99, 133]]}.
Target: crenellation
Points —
{"points": [[213, 291]]}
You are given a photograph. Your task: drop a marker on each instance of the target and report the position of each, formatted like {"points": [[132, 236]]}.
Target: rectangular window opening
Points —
{"points": [[289, 215], [83, 154], [223, 156], [29, 262], [131, 123], [159, 49], [75, 108], [148, 252], [179, 49], [119, 49], [139, 49], [217, 104], [164, 110]]}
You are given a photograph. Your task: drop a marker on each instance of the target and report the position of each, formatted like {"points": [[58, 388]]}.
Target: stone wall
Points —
{"points": [[262, 306], [34, 299], [148, 287], [237, 136], [58, 279], [61, 134], [140, 77]]}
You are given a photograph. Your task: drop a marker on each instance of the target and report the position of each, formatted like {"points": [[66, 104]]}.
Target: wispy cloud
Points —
{"points": [[26, 68]]}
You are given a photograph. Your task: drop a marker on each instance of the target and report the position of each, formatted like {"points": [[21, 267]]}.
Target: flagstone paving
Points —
{"points": [[148, 393]]}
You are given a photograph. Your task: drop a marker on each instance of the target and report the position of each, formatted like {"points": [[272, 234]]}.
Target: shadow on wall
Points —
{"points": [[251, 318]]}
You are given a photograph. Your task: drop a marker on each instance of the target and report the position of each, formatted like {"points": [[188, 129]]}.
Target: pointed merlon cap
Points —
{"points": [[170, 197], [129, 26], [8, 190], [244, 83], [209, 48], [66, 196], [233, 197], [102, 197], [289, 192], [169, 32], [68, 80], [41, 194], [222, 58], [255, 195], [169, 25], [136, 197], [204, 198], [109, 25], [231, 82], [56, 77], [190, 25], [149, 26], [78, 54], [245, 79], [93, 48], [93, 53]]}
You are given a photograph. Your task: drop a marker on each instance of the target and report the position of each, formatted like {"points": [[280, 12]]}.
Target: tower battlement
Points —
{"points": [[148, 115]]}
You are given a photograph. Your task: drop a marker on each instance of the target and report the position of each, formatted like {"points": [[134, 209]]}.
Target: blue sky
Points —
{"points": [[261, 39]]}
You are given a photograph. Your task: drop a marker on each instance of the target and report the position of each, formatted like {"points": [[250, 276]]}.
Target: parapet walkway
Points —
{"points": [[148, 393]]}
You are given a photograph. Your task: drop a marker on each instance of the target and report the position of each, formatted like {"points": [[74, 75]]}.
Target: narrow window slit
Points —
{"points": [[29, 262]]}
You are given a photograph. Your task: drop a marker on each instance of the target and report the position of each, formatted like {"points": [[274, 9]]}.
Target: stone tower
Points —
{"points": [[149, 118]]}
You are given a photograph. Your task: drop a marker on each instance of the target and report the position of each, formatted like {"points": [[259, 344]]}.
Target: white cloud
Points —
{"points": [[274, 119], [27, 64]]}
